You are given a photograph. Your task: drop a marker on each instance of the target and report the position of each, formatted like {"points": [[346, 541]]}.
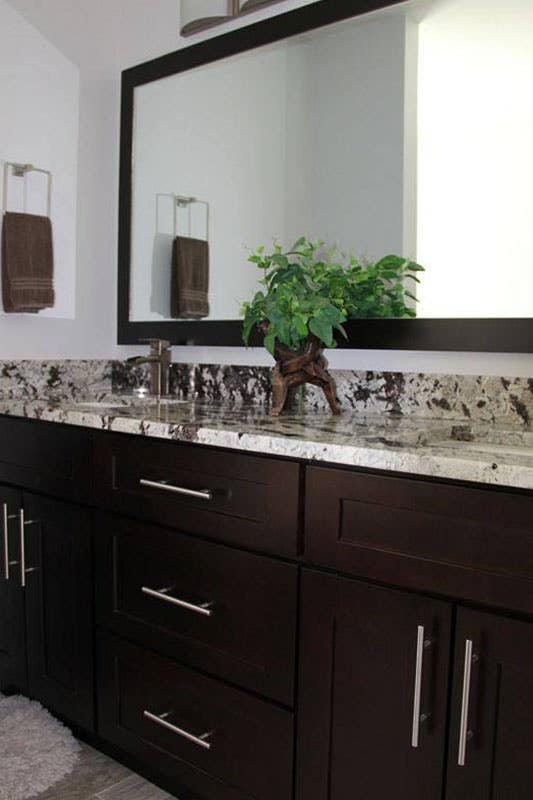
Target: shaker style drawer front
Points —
{"points": [[465, 542], [206, 739], [230, 613], [241, 499], [49, 458]]}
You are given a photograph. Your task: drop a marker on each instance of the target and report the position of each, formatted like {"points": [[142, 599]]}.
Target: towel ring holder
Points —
{"points": [[20, 171], [181, 201]]}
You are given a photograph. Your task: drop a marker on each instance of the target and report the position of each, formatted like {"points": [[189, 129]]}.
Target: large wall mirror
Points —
{"points": [[407, 129]]}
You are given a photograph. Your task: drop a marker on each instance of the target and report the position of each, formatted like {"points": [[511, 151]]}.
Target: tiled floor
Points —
{"points": [[97, 777]]}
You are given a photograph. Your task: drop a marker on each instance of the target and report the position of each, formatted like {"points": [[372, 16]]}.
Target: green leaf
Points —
{"points": [[270, 342]]}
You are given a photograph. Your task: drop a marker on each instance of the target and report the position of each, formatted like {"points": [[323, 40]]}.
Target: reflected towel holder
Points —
{"points": [[19, 170], [182, 201]]}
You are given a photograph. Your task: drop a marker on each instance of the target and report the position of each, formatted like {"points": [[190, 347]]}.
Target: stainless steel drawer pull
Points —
{"points": [[5, 548], [206, 609], [421, 644], [465, 703], [22, 533], [160, 720], [165, 486]]}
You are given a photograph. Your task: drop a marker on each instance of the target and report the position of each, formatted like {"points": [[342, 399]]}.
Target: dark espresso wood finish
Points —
{"points": [[251, 741], [357, 691], [59, 614], [231, 675], [250, 637], [460, 541], [13, 671], [254, 501], [49, 458], [498, 763]]}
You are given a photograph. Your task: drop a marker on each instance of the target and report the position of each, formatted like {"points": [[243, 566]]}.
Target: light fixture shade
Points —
{"points": [[252, 5], [199, 14]]}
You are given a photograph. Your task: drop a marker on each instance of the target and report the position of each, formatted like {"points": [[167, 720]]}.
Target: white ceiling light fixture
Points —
{"points": [[197, 15]]}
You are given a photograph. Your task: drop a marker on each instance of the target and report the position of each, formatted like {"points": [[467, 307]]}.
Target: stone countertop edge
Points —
{"points": [[515, 471]]}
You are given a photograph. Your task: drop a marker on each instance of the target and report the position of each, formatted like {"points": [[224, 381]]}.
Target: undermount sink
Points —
{"points": [[496, 442], [130, 401], [495, 448]]}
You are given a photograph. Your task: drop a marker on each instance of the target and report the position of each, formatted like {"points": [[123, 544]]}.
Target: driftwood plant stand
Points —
{"points": [[295, 369]]}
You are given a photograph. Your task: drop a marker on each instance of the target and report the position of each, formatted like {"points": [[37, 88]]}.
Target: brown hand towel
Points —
{"points": [[189, 283], [27, 263]]}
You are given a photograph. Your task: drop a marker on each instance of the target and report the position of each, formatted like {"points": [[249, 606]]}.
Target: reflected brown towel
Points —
{"points": [[27, 263], [189, 283]]}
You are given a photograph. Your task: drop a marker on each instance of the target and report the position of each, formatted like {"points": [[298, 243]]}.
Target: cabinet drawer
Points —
{"points": [[236, 498], [471, 543], [211, 742], [45, 457], [224, 611]]}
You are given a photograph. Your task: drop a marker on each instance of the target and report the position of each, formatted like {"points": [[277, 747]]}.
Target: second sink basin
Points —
{"points": [[134, 401]]}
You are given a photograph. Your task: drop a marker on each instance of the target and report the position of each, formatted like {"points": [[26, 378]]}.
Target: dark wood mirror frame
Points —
{"points": [[510, 335]]}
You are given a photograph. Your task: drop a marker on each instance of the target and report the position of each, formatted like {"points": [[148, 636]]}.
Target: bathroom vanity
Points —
{"points": [[262, 625]]}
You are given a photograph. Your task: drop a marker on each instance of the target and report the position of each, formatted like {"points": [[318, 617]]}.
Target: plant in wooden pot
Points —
{"points": [[309, 292]]}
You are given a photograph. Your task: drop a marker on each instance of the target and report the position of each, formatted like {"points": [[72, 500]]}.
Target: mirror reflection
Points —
{"points": [[405, 131]]}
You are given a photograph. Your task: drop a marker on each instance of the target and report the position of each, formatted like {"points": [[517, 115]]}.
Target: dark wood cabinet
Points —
{"points": [[405, 617], [222, 610], [373, 691], [46, 603], [207, 740], [464, 542], [240, 499], [46, 457], [492, 706], [59, 607], [13, 672]]}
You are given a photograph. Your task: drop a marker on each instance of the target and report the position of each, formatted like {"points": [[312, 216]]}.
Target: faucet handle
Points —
{"points": [[157, 345]]}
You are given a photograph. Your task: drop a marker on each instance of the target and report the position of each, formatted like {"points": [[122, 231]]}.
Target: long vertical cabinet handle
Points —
{"points": [[23, 523], [5, 544], [417, 698], [465, 703]]}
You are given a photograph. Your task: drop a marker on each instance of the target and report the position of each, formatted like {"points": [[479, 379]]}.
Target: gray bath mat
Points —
{"points": [[36, 751]]}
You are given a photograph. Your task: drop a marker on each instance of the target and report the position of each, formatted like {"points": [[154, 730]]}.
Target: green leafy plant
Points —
{"points": [[311, 291]]}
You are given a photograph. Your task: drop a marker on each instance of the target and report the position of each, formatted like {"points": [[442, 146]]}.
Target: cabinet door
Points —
{"points": [[12, 622], [59, 600], [492, 708], [373, 688]]}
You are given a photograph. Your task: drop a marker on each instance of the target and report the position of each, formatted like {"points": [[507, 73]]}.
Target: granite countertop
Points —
{"points": [[479, 452]]}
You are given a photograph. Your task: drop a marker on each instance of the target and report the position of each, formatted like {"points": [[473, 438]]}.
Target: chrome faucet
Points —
{"points": [[159, 360]]}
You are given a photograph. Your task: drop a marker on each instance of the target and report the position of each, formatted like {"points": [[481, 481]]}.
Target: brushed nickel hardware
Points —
{"points": [[421, 644], [5, 531], [202, 494], [205, 609], [160, 719], [22, 533], [465, 703], [183, 202], [159, 360], [19, 170]]}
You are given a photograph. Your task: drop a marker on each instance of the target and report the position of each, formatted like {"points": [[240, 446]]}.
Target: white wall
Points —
{"points": [[475, 159], [357, 136], [39, 91], [211, 143], [104, 36]]}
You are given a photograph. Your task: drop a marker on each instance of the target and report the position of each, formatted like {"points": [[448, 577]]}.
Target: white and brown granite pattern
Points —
{"points": [[482, 453], [54, 380], [426, 396], [477, 398]]}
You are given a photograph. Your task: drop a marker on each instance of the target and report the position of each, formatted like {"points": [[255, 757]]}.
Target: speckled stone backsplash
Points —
{"points": [[481, 398], [463, 398], [54, 380]]}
